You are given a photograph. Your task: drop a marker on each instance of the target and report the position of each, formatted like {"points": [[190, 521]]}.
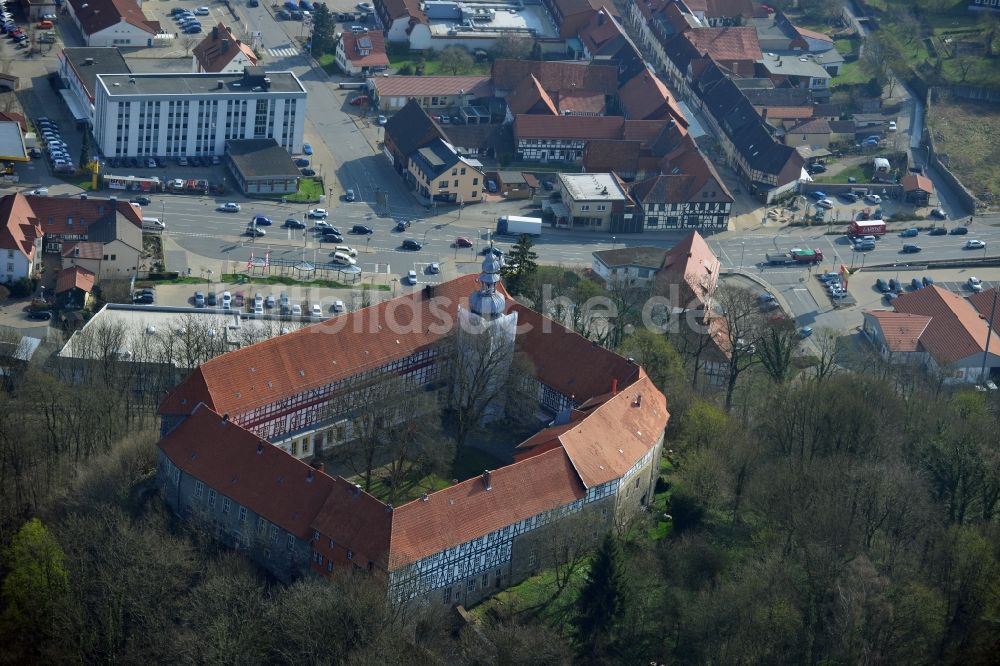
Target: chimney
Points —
{"points": [[356, 491], [388, 508], [319, 467], [260, 448], [487, 482], [88, 61], [225, 45], [614, 386], [311, 475], [600, 17], [638, 400], [763, 114], [215, 33], [225, 418], [424, 497]]}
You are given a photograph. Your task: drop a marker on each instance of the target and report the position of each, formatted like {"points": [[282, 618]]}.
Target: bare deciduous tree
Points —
{"points": [[741, 333]]}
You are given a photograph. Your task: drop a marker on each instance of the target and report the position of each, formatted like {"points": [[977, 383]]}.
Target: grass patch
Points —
{"points": [[401, 58], [187, 279], [862, 173], [328, 61], [310, 190], [282, 279], [410, 489], [966, 131], [851, 74], [537, 596], [81, 180], [844, 46]]}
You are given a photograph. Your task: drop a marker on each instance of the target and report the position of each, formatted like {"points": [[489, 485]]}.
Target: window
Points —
{"points": [[454, 172], [211, 498], [225, 505], [290, 542], [350, 554], [601, 207], [243, 514], [446, 595], [114, 257], [329, 565], [486, 581], [462, 171], [471, 584], [261, 525], [585, 207], [475, 181], [496, 580], [532, 560], [274, 533], [443, 184]]}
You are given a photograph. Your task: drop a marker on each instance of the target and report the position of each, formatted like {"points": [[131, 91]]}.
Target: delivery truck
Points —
{"points": [[795, 256], [867, 228], [512, 225]]}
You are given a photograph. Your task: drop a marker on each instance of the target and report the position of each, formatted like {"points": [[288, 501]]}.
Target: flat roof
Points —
{"points": [[259, 158], [197, 84], [470, 19], [592, 186], [12, 141], [793, 65], [103, 60]]}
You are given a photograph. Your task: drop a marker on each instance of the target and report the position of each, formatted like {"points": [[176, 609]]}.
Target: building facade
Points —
{"points": [[439, 173], [596, 201], [172, 115], [222, 448]]}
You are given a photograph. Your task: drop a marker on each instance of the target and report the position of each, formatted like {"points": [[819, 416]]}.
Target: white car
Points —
{"points": [[346, 249], [318, 213], [338, 306], [323, 224], [873, 198], [227, 300], [974, 245], [411, 277], [202, 11], [317, 310], [824, 203], [296, 310], [892, 125], [231, 207], [975, 284], [434, 268]]}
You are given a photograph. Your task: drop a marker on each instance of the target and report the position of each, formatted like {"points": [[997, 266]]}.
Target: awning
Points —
{"points": [[80, 114]]}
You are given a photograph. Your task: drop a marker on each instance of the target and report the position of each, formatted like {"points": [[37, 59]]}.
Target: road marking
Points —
{"points": [[287, 51]]}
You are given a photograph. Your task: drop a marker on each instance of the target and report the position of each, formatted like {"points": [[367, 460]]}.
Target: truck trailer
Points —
{"points": [[867, 228], [513, 225], [795, 256]]}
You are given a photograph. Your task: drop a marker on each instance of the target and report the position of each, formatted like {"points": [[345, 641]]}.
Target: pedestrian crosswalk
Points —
{"points": [[284, 52]]}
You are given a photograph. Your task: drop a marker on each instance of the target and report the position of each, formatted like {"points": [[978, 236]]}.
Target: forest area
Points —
{"points": [[824, 509]]}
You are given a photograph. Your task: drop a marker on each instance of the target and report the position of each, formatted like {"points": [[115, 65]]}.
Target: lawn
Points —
{"points": [[851, 74], [862, 173], [310, 191], [401, 57], [279, 279], [536, 596], [966, 131], [410, 489]]}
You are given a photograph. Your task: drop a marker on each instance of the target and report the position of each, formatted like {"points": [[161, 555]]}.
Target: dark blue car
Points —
{"points": [[306, 5], [290, 5]]}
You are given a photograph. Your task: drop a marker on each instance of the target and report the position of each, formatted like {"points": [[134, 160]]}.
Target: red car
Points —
{"points": [[359, 100], [462, 241]]}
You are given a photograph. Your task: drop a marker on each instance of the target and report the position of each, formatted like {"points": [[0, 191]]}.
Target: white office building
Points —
{"points": [[172, 115]]}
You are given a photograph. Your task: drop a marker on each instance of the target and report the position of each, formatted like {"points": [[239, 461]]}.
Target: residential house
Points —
{"points": [[795, 71], [516, 185], [734, 49], [689, 275], [940, 330], [987, 304], [361, 54], [20, 239], [721, 13], [111, 250], [656, 22], [225, 442], [813, 132], [399, 17], [409, 129], [74, 287], [917, 189], [561, 138], [555, 88], [595, 201], [605, 41], [112, 22], [646, 97], [439, 173], [480, 140], [221, 51], [684, 200], [432, 93], [636, 264], [570, 16]]}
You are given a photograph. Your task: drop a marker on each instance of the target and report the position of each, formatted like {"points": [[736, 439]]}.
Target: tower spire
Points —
{"points": [[487, 302]]}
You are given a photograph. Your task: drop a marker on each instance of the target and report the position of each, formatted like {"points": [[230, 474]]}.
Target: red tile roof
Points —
{"points": [[356, 520], [400, 8], [421, 86], [218, 49], [468, 510], [529, 95], [900, 330], [604, 155], [600, 31], [97, 15], [376, 56], [581, 102], [983, 303], [785, 112], [75, 278], [956, 330], [726, 45], [693, 266], [556, 76], [57, 215], [809, 126], [568, 127], [812, 34], [646, 97], [83, 250], [19, 229], [914, 181], [14, 117], [248, 470]]}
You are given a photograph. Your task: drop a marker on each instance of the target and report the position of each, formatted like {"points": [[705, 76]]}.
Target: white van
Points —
{"points": [[344, 258], [40, 192], [153, 224]]}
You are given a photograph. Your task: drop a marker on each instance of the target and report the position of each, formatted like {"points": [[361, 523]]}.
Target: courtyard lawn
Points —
{"points": [[310, 191], [470, 462], [411, 487]]}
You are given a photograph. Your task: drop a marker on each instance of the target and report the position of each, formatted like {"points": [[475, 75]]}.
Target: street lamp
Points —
{"points": [[743, 248], [394, 281], [612, 242], [163, 213], [208, 282]]}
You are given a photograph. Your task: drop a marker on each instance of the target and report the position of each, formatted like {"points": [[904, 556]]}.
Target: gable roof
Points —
{"points": [[97, 15], [422, 86], [555, 76], [900, 330], [434, 158], [982, 301], [83, 250], [601, 155], [529, 95], [403, 8], [568, 127], [602, 35], [693, 267], [19, 229], [809, 126], [647, 257], [646, 97], [729, 44], [914, 181], [351, 43], [217, 50], [57, 215], [248, 470], [410, 128], [956, 330], [75, 278]]}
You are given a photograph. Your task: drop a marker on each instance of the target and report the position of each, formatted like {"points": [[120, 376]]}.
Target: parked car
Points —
{"points": [[909, 233], [382, 120], [410, 244], [937, 231], [959, 231], [817, 168], [292, 223], [927, 280], [915, 284], [40, 315], [202, 11], [881, 285], [317, 214], [403, 225], [346, 249], [211, 299], [817, 195], [301, 162], [939, 213], [894, 285], [824, 203], [361, 229], [975, 284], [308, 172], [359, 100], [199, 299], [873, 198], [975, 245], [307, 149], [411, 277], [892, 125], [331, 236], [338, 306], [269, 301], [347, 196], [230, 207], [805, 331], [462, 241], [227, 300], [316, 310], [296, 310], [255, 232]]}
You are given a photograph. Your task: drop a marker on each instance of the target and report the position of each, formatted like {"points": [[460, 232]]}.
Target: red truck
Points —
{"points": [[867, 228]]}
